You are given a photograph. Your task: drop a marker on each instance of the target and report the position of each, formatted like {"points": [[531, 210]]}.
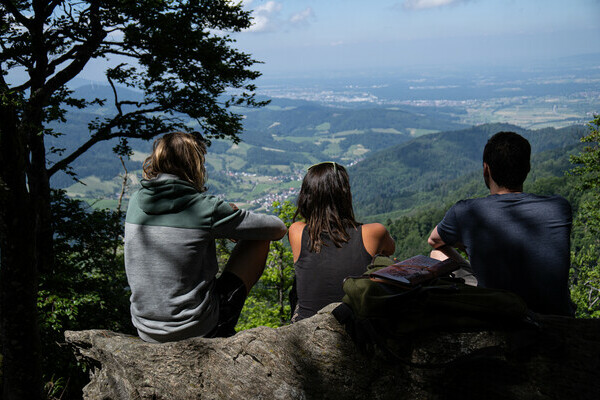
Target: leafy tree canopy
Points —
{"points": [[176, 54], [172, 51], [586, 257]]}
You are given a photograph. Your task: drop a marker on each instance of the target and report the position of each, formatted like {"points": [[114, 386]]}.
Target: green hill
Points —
{"points": [[416, 172]]}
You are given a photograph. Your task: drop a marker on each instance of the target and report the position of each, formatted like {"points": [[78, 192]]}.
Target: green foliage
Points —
{"points": [[585, 288], [55, 388], [411, 232], [585, 278], [588, 172], [85, 288], [268, 303]]}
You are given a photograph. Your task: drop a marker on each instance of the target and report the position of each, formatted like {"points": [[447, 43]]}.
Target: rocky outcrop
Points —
{"points": [[316, 359]]}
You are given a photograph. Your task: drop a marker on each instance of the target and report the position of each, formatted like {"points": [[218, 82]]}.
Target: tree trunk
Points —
{"points": [[21, 371], [316, 359]]}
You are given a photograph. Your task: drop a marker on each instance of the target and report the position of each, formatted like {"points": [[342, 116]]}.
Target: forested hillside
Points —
{"points": [[432, 167]]}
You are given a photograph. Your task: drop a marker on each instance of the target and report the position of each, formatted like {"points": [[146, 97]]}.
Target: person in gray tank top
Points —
{"points": [[329, 244]]}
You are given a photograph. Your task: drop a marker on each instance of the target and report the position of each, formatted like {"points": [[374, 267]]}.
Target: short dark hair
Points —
{"points": [[325, 203], [508, 156]]}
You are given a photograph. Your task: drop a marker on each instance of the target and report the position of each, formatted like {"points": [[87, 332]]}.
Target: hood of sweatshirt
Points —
{"points": [[165, 194]]}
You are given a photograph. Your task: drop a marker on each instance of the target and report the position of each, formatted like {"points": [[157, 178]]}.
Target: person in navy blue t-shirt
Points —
{"points": [[515, 241]]}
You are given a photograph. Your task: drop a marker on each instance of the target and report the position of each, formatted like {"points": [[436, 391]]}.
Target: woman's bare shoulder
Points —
{"points": [[375, 229], [295, 230], [297, 227]]}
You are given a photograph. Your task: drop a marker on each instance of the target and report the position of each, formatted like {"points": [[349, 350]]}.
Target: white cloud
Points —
{"points": [[423, 4], [267, 17], [302, 17], [269, 8]]}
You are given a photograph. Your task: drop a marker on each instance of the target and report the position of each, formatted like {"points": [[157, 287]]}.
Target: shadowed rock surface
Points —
{"points": [[316, 359]]}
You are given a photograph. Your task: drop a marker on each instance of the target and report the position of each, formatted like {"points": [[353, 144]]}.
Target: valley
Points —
{"points": [[395, 134]]}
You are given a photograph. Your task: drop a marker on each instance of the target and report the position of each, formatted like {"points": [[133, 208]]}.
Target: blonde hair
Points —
{"points": [[180, 154]]}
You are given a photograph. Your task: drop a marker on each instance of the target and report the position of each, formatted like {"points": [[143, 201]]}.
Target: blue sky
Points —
{"points": [[300, 36]]}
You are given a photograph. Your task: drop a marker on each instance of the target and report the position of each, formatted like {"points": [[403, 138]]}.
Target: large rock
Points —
{"points": [[316, 359]]}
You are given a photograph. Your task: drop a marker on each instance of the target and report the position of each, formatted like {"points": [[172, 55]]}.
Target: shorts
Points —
{"points": [[232, 296]]}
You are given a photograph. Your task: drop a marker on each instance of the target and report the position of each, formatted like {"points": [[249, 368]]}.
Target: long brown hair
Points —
{"points": [[180, 154], [325, 202]]}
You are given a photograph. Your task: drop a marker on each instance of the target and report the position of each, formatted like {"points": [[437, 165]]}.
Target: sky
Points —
{"points": [[295, 37]]}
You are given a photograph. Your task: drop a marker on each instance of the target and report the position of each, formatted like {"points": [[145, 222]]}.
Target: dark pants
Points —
{"points": [[232, 295]]}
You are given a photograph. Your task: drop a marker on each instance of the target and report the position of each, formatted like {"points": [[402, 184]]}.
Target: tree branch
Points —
{"points": [[114, 89], [51, 6], [10, 6], [67, 56], [103, 134], [132, 54], [82, 56]]}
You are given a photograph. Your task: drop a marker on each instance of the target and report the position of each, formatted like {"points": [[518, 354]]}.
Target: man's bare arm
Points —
{"points": [[442, 251]]}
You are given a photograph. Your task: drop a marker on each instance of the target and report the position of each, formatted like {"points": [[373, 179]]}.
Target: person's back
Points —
{"points": [[170, 255], [330, 244], [319, 276], [515, 241], [518, 242]]}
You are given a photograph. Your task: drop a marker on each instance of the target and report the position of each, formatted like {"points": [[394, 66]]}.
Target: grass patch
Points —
{"points": [[386, 130], [357, 150], [324, 127], [240, 149], [295, 139], [416, 132], [233, 162], [333, 149], [346, 133], [94, 187], [102, 204], [261, 188], [214, 161]]}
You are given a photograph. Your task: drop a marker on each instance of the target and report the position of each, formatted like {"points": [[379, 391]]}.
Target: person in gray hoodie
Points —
{"points": [[170, 252]]}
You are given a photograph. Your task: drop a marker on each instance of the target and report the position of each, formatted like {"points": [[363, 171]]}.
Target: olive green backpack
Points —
{"points": [[377, 313]]}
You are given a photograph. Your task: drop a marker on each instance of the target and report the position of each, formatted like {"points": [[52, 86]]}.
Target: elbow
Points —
{"points": [[431, 242], [282, 231], [279, 231], [435, 242]]}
